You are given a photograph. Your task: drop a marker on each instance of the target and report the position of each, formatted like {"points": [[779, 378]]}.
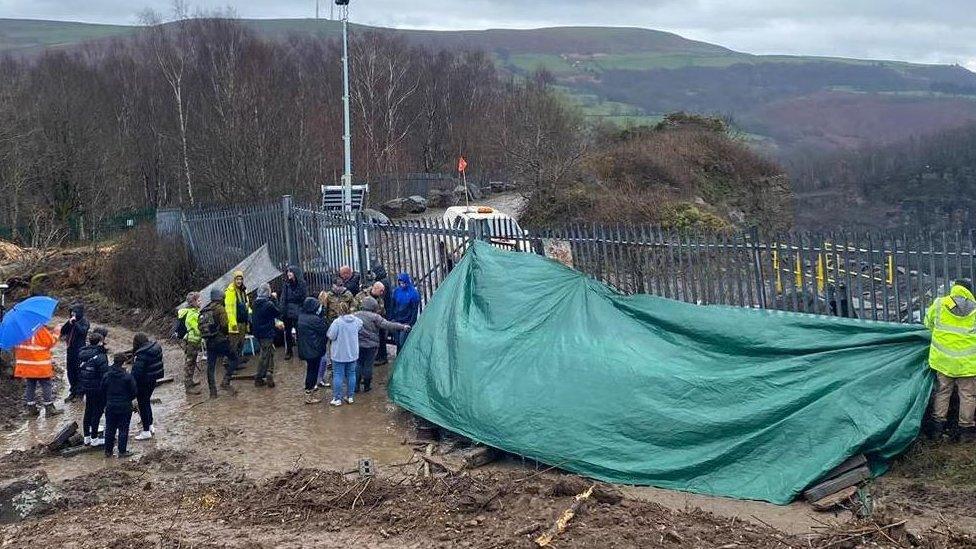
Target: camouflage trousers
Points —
{"points": [[191, 354]]}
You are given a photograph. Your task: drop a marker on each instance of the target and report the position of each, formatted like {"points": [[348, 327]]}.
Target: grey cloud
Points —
{"points": [[912, 30]]}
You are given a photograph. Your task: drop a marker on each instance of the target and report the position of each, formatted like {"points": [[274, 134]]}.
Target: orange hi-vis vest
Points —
{"points": [[33, 357]]}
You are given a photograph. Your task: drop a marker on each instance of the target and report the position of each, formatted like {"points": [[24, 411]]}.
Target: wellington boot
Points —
{"points": [[50, 410]]}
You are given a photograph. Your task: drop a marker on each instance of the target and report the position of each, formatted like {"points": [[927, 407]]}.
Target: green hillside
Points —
{"points": [[31, 35]]}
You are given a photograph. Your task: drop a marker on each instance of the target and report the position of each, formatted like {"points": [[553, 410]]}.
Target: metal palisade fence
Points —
{"points": [[885, 277]]}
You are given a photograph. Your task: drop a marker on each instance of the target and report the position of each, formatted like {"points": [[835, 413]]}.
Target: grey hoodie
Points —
{"points": [[369, 336], [344, 334]]}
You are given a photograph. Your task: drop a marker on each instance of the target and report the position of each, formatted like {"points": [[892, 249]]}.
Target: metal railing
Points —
{"points": [[870, 276]]}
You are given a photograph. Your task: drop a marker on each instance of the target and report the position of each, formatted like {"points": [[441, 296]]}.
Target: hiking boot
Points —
{"points": [[311, 398], [213, 393], [50, 410], [288, 355], [271, 382], [367, 388], [260, 383], [125, 454], [936, 429], [32, 409]]}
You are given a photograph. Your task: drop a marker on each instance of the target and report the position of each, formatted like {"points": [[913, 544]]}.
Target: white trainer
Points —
{"points": [[152, 428], [98, 442], [336, 402], [349, 400], [87, 441], [145, 435]]}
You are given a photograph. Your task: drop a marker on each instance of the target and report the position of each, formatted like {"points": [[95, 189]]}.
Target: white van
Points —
{"points": [[503, 230]]}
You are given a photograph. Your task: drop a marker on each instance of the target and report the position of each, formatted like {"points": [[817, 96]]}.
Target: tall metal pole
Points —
{"points": [[346, 138]]}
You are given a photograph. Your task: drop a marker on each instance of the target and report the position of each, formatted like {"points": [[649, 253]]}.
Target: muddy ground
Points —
{"points": [[264, 470]]}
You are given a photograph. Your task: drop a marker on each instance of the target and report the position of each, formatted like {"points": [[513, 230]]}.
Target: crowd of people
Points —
{"points": [[345, 329]]}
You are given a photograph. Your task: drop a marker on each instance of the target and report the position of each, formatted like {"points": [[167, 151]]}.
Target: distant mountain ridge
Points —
{"points": [[631, 75]]}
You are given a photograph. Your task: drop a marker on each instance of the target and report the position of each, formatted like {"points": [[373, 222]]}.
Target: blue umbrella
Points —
{"points": [[20, 322]]}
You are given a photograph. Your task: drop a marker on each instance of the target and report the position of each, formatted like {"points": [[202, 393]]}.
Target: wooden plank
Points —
{"points": [[851, 463], [835, 499], [74, 451], [62, 437], [837, 484], [478, 456]]}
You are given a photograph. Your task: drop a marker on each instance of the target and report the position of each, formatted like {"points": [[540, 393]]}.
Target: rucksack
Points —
{"points": [[179, 329], [208, 323]]}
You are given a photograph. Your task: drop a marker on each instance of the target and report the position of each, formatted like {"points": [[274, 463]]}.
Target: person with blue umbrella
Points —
{"points": [[25, 331]]}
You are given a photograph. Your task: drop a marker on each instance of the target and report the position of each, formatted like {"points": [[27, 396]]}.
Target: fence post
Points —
{"points": [[286, 205], [361, 246], [188, 235], [757, 263]]}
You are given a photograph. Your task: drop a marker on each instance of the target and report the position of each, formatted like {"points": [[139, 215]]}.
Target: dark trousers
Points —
{"points": [[312, 372], [73, 365], [364, 368], [117, 422], [290, 336], [266, 363], [381, 355], [400, 338], [216, 350], [143, 397], [94, 407]]}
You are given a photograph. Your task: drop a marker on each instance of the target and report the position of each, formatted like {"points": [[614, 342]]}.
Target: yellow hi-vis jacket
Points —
{"points": [[952, 320]]}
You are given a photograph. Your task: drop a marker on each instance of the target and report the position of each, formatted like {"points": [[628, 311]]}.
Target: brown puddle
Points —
{"points": [[264, 431]]}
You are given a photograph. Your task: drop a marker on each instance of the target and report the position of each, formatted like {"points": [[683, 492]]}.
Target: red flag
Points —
{"points": [[462, 164]]}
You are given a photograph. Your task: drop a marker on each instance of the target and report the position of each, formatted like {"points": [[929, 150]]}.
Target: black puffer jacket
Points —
{"points": [[312, 331], [94, 366], [119, 389], [293, 294], [147, 363]]}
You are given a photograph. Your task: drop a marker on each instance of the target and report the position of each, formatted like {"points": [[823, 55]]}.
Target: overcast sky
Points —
{"points": [[937, 31]]}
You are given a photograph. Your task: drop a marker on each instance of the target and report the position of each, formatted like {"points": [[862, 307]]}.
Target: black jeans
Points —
{"points": [[364, 368], [381, 356], [73, 365], [290, 336], [266, 363], [215, 350], [143, 397], [117, 421], [94, 408], [311, 372]]}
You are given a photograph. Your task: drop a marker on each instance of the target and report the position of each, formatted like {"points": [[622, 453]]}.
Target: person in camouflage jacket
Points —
{"points": [[330, 301]]}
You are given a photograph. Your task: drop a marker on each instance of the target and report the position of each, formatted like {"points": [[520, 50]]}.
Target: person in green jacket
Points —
{"points": [[192, 341], [952, 354]]}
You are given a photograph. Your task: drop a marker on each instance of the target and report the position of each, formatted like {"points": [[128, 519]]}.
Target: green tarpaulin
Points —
{"points": [[523, 354]]}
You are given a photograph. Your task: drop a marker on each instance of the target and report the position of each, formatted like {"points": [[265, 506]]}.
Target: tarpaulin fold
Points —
{"points": [[526, 355], [258, 269]]}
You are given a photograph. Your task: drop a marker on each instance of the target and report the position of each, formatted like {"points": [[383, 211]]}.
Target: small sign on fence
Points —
{"points": [[558, 249]]}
